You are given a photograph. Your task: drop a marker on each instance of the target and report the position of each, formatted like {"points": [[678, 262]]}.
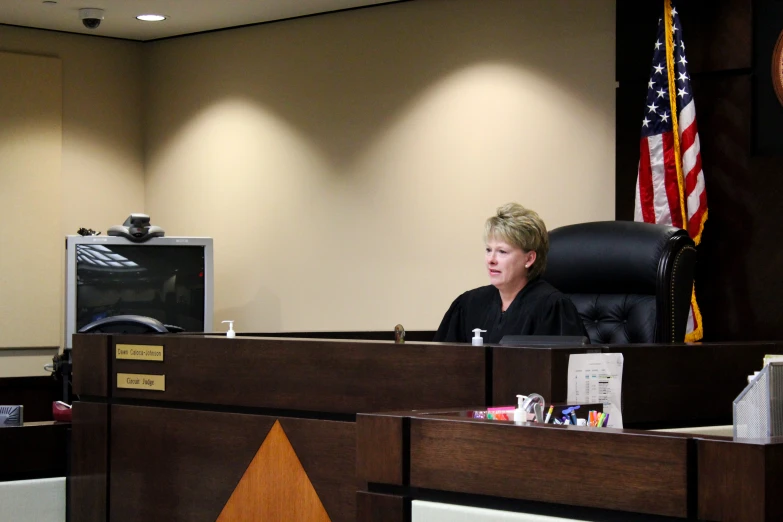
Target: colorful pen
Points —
{"points": [[548, 414]]}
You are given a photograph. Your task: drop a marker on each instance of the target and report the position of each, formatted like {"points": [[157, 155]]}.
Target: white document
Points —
{"points": [[597, 377]]}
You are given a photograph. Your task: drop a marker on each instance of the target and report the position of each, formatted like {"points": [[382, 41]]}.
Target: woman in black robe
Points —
{"points": [[517, 301]]}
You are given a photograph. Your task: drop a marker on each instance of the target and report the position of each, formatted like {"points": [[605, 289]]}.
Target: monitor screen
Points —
{"points": [[163, 278]]}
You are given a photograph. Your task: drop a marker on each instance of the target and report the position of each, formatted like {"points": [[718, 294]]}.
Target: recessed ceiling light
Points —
{"points": [[151, 18]]}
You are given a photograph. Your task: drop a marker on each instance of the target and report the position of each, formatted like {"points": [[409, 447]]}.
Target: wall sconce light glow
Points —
{"points": [[151, 18]]}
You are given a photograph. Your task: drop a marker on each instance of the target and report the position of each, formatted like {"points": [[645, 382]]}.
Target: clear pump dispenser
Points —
{"points": [[520, 415], [230, 332]]}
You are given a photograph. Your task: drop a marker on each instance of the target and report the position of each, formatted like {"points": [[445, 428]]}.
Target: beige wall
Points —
{"points": [[30, 151], [102, 156], [101, 176], [345, 163]]}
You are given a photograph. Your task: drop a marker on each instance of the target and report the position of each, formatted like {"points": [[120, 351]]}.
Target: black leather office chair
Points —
{"points": [[128, 324], [631, 282]]}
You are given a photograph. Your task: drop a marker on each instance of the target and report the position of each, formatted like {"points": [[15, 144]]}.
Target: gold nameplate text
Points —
{"points": [[139, 352], [138, 381]]}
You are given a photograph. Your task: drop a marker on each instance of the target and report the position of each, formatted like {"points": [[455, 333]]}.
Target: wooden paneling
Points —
{"points": [[687, 385], [530, 370], [675, 371], [723, 495], [729, 257], [89, 462], [410, 335], [312, 375], [327, 451], [35, 450], [740, 482], [36, 394], [274, 487], [636, 473], [773, 480], [376, 507], [718, 34], [183, 465], [91, 365], [178, 465], [379, 449]]}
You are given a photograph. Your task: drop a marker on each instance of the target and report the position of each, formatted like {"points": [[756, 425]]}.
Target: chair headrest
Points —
{"points": [[610, 257], [125, 324]]}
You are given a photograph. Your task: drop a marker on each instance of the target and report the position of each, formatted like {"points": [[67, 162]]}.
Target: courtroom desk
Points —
{"points": [[36, 394], [233, 408], [244, 423], [33, 450], [574, 473]]}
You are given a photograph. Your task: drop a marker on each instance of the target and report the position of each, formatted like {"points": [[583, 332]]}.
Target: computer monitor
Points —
{"points": [[167, 278]]}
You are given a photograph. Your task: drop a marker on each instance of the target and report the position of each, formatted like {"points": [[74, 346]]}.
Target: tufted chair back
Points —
{"points": [[631, 282]]}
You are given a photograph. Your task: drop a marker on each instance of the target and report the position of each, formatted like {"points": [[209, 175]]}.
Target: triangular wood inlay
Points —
{"points": [[274, 487]]}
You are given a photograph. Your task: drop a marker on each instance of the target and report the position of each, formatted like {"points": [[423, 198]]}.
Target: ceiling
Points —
{"points": [[184, 16]]}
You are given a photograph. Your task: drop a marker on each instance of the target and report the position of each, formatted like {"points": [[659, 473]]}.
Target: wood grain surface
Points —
{"points": [[657, 378], [89, 462], [91, 360], [274, 487], [740, 482], [377, 507], [595, 468], [380, 451], [311, 375], [184, 465]]}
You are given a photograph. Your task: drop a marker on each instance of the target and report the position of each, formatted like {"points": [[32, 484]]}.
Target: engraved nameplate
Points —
{"points": [[139, 381], [139, 352]]}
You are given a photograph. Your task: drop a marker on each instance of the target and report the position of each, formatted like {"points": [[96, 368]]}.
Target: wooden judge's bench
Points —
{"points": [[205, 428]]}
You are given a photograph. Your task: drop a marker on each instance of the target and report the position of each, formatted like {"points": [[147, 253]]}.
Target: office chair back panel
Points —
{"points": [[126, 324], [617, 318], [634, 279]]}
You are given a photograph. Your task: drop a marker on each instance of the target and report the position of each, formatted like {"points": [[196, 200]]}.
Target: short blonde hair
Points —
{"points": [[523, 228]]}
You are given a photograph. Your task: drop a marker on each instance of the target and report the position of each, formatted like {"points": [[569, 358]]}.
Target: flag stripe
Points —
{"points": [[694, 223], [671, 188], [692, 176], [644, 183], [687, 116], [658, 169]]}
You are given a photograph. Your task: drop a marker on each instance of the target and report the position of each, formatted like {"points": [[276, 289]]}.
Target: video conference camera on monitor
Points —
{"points": [[136, 228]]}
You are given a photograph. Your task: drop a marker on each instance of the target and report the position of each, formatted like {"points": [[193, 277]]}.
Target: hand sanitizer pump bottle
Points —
{"points": [[477, 339], [520, 415], [230, 332]]}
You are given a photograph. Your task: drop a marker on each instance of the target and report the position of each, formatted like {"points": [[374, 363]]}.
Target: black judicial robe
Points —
{"points": [[538, 309]]}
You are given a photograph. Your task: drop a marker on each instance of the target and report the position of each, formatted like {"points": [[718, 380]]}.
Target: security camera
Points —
{"points": [[91, 17]]}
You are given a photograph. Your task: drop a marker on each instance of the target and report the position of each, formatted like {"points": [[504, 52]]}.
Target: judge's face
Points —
{"points": [[507, 264]]}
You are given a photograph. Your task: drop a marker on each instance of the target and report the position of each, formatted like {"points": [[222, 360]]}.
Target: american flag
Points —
{"points": [[670, 182]]}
